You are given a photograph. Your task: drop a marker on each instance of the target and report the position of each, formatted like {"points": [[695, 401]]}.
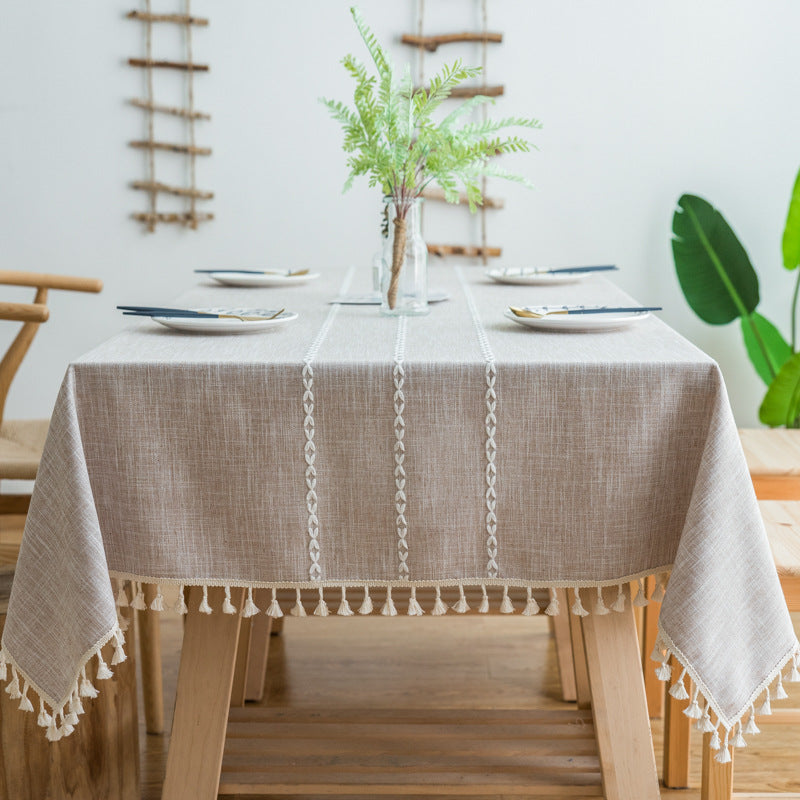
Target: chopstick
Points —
{"points": [[154, 311], [285, 273], [524, 270], [525, 312]]}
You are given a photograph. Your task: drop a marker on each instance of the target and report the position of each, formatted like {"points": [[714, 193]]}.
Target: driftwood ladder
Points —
{"points": [[430, 44], [190, 216]]}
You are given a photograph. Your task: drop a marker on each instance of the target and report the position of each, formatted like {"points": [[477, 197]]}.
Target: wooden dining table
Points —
{"points": [[346, 463]]}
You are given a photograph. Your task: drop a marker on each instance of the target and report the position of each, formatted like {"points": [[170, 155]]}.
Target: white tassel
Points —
{"points": [[158, 600], [66, 727], [138, 600], [664, 672], [180, 604], [322, 607], [678, 690], [119, 654], [53, 734], [693, 709], [414, 608], [344, 609], [552, 607], [577, 606], [227, 606], [366, 606], [439, 608], [3, 666], [714, 744], [640, 601], [12, 690], [600, 605], [204, 607], [483, 608], [123, 623], [766, 709], [250, 608], [751, 728], [25, 703], [707, 724], [298, 609], [794, 673], [506, 606], [659, 592], [44, 719], [780, 692], [103, 672], [275, 611], [738, 740], [388, 609], [86, 687], [658, 652], [619, 603], [531, 606], [75, 702], [723, 755], [461, 606], [122, 597]]}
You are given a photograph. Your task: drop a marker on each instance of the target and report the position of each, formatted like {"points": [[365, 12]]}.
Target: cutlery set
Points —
{"points": [[155, 311]]}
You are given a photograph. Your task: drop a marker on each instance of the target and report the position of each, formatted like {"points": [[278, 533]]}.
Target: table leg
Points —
{"points": [[205, 679], [260, 631], [561, 635], [652, 685], [717, 778], [677, 730], [582, 690], [619, 704], [150, 660]]}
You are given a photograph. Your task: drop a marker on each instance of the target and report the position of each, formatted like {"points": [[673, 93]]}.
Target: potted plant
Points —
{"points": [[720, 285], [392, 138]]}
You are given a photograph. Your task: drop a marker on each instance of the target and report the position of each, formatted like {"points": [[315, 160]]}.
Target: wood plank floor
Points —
{"points": [[499, 664]]}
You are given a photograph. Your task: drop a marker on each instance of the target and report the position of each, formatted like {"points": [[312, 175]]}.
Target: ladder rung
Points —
{"points": [[155, 186], [468, 251], [173, 148], [184, 65], [181, 19], [431, 43], [176, 112]]}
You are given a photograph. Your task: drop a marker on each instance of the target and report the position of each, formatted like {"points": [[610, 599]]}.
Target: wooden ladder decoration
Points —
{"points": [[191, 216], [430, 44]]}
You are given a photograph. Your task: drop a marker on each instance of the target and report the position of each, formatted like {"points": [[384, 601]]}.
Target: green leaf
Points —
{"points": [[765, 345], [791, 233], [713, 268], [781, 404]]}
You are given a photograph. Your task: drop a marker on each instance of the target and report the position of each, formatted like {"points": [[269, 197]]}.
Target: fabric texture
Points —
{"points": [[351, 449]]}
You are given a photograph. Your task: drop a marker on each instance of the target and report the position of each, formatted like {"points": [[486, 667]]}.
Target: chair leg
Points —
{"points": [[677, 730], [259, 650], [652, 685], [717, 778], [561, 634], [619, 705], [580, 670], [150, 658]]}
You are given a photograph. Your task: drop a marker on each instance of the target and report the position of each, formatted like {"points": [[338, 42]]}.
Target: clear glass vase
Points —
{"points": [[404, 273]]}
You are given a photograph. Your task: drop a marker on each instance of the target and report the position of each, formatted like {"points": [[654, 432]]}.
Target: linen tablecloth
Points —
{"points": [[352, 450]]}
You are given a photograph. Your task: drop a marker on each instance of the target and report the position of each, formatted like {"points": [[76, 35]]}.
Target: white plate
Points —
{"points": [[233, 278], [578, 323], [374, 299], [529, 277], [228, 326]]}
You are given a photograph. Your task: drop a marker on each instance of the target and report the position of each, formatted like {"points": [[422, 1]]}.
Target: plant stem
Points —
{"points": [[398, 256], [794, 312]]}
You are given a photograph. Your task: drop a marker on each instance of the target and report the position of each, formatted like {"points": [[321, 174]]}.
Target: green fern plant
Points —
{"points": [[392, 138]]}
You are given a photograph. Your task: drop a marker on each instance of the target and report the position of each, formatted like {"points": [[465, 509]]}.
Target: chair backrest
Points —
{"points": [[31, 315]]}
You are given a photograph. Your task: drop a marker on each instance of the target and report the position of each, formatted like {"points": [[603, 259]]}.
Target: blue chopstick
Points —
{"points": [[584, 269]]}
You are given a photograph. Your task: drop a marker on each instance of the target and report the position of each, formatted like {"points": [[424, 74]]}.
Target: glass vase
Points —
{"points": [[404, 273]]}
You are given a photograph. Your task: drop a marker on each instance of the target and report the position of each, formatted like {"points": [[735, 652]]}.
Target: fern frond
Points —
{"points": [[373, 47]]}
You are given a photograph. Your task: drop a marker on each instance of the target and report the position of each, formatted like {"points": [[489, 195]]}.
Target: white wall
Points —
{"points": [[640, 101]]}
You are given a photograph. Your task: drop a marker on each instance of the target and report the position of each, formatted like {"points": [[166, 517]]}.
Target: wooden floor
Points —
{"points": [[377, 664]]}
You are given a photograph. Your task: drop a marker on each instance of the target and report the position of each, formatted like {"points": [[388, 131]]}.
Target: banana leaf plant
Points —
{"points": [[721, 285]]}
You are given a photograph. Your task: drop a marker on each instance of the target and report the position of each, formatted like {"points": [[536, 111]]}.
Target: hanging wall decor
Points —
{"points": [[188, 194], [430, 44]]}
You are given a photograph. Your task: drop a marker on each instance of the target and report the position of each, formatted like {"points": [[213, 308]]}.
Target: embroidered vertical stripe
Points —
{"points": [[490, 447], [309, 429], [398, 374]]}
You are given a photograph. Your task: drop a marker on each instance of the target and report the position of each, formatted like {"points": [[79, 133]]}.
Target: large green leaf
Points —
{"points": [[765, 345], [713, 268], [781, 404], [791, 233]]}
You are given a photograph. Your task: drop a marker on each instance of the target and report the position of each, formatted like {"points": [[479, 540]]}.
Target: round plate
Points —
{"points": [[578, 323], [228, 326], [530, 277], [245, 279]]}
